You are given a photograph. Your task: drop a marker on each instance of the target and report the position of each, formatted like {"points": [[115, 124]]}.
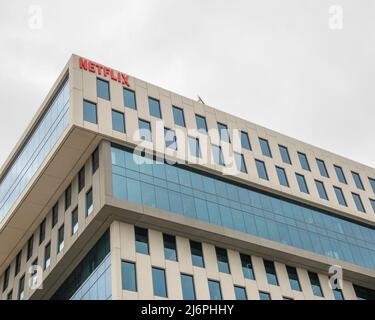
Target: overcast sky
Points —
{"points": [[275, 63]]}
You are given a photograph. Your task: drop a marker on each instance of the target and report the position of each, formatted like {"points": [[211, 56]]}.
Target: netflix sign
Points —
{"points": [[106, 72]]}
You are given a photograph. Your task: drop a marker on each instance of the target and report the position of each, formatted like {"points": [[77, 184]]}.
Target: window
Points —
{"points": [[322, 168], [358, 202], [282, 176], [264, 145], [321, 190], [118, 121], [223, 132], [102, 88], [81, 179], [129, 99], [6, 279], [170, 249], [89, 203], [264, 295], [302, 183], [170, 139], [18, 263], [271, 272], [34, 273], [144, 130], [372, 204], [68, 197], [245, 141], [60, 239], [178, 115], [30, 247], [218, 155], [159, 282], [21, 288], [247, 267], [75, 221], [89, 112], [42, 231], [187, 284], [303, 161], [358, 181], [293, 278], [196, 254], [372, 183], [315, 284], [154, 106], [95, 160], [222, 260], [141, 240], [47, 255], [240, 293], [261, 168], [338, 294], [194, 147], [129, 276], [55, 214], [215, 290], [340, 174], [363, 293], [201, 123], [10, 295], [240, 162], [287, 298], [340, 196], [285, 154]]}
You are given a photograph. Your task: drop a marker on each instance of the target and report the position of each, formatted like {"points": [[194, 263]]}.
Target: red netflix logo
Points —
{"points": [[103, 71]]}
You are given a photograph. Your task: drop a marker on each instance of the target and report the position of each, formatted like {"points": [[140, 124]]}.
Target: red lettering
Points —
{"points": [[113, 75], [100, 69], [91, 66], [125, 79], [106, 72], [83, 63]]}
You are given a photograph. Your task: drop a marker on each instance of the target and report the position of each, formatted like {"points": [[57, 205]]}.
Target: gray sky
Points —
{"points": [[275, 63]]}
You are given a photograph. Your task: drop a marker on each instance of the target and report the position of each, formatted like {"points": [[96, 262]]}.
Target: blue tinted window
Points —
{"points": [[303, 161], [264, 295], [194, 147], [201, 123], [358, 202], [338, 294], [128, 274], [222, 260], [340, 174], [240, 162], [285, 154], [357, 180], [141, 240], [129, 99], [187, 284], [245, 141], [170, 249], [363, 293], [89, 112], [264, 145], [170, 139], [322, 168], [145, 130], [240, 293], [75, 221], [315, 284], [282, 176], [215, 290], [218, 155], [271, 272], [372, 204], [118, 121], [293, 278], [261, 168], [159, 282], [321, 190], [178, 115], [302, 183], [223, 132], [372, 182], [154, 106], [340, 196], [103, 89], [247, 267], [196, 254]]}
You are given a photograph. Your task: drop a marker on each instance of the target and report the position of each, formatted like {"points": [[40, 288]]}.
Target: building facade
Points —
{"points": [[120, 189]]}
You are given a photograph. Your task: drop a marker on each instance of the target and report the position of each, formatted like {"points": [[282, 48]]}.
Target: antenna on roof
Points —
{"points": [[200, 100]]}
